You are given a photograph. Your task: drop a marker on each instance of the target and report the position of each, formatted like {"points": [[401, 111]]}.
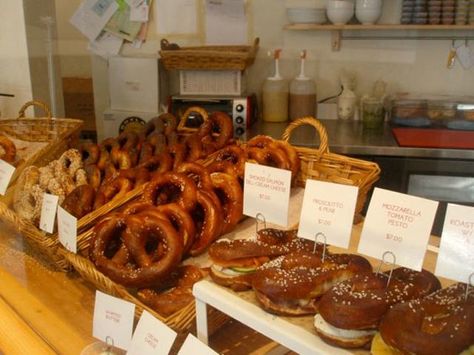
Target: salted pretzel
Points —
{"points": [[440, 323], [135, 251]]}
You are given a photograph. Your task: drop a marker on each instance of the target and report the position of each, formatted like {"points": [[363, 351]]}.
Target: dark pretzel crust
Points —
{"points": [[440, 323]]}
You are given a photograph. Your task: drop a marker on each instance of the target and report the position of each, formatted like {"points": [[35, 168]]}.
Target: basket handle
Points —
{"points": [[323, 135], [42, 105]]}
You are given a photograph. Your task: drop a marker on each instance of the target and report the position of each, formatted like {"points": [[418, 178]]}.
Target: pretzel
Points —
{"points": [[90, 153], [230, 194], [221, 123], [179, 294], [80, 201], [125, 249], [198, 173], [171, 187], [360, 303], [294, 283], [9, 149], [440, 323], [207, 216]]}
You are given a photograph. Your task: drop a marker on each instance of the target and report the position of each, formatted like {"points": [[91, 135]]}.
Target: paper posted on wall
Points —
{"points": [[108, 23], [92, 16], [226, 22]]}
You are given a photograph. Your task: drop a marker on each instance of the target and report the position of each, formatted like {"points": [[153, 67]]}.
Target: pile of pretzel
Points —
{"points": [[397, 312], [118, 165], [60, 177]]}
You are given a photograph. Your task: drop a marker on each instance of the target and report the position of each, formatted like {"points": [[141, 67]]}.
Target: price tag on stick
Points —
{"points": [[456, 251], [6, 173], [48, 212], [267, 191], [67, 229], [193, 346], [328, 208], [113, 319], [398, 223], [151, 337]]}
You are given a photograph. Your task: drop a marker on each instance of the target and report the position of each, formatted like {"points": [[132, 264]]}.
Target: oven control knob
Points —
{"points": [[239, 131], [239, 119], [239, 108]]}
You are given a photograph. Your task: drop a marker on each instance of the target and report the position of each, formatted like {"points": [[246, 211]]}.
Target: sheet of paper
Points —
{"points": [[48, 212], [151, 337], [398, 223], [193, 346], [113, 317], [6, 173], [226, 22], [139, 13], [67, 230], [329, 209], [456, 251], [267, 191], [92, 16], [121, 25], [106, 45], [176, 17]]}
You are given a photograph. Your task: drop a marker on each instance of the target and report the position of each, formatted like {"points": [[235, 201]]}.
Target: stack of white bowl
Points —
{"points": [[368, 12], [306, 15], [340, 12]]}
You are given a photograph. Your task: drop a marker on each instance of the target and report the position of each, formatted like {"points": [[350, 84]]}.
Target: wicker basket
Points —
{"points": [[53, 133], [181, 321], [58, 135], [320, 164], [207, 57]]}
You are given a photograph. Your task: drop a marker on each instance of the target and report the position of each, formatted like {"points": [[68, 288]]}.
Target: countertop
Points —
{"points": [[350, 138], [46, 311]]}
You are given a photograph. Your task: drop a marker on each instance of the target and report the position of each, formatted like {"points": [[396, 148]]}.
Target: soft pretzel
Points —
{"points": [[207, 215], [230, 194], [358, 305], [440, 323], [133, 241], [80, 201], [171, 187], [216, 131], [114, 188], [9, 149], [166, 302], [198, 173], [294, 284], [90, 153]]}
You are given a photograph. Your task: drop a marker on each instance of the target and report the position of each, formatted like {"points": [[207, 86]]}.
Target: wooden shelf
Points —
{"points": [[380, 27], [337, 31]]}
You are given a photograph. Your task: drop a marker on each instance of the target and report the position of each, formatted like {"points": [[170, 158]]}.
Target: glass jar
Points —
{"points": [[372, 113]]}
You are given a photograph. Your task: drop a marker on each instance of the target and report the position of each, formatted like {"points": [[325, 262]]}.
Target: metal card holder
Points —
{"points": [[384, 261]]}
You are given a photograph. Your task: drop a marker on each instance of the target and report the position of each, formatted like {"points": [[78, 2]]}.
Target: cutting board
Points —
{"points": [[433, 138]]}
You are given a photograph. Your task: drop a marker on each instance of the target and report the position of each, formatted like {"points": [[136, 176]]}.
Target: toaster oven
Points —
{"points": [[242, 109]]}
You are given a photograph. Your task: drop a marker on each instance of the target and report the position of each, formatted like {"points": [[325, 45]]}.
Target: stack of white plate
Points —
{"points": [[306, 15]]}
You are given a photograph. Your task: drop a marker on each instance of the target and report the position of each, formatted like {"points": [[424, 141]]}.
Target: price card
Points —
{"points": [[193, 346], [398, 223], [67, 230], [328, 208], [6, 173], [267, 191], [48, 212], [113, 318], [151, 337], [456, 251]]}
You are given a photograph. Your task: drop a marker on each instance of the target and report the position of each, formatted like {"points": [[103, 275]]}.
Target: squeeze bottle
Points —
{"points": [[302, 94], [275, 95]]}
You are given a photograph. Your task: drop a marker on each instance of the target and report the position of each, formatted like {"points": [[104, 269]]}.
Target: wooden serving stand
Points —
{"points": [[294, 333]]}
